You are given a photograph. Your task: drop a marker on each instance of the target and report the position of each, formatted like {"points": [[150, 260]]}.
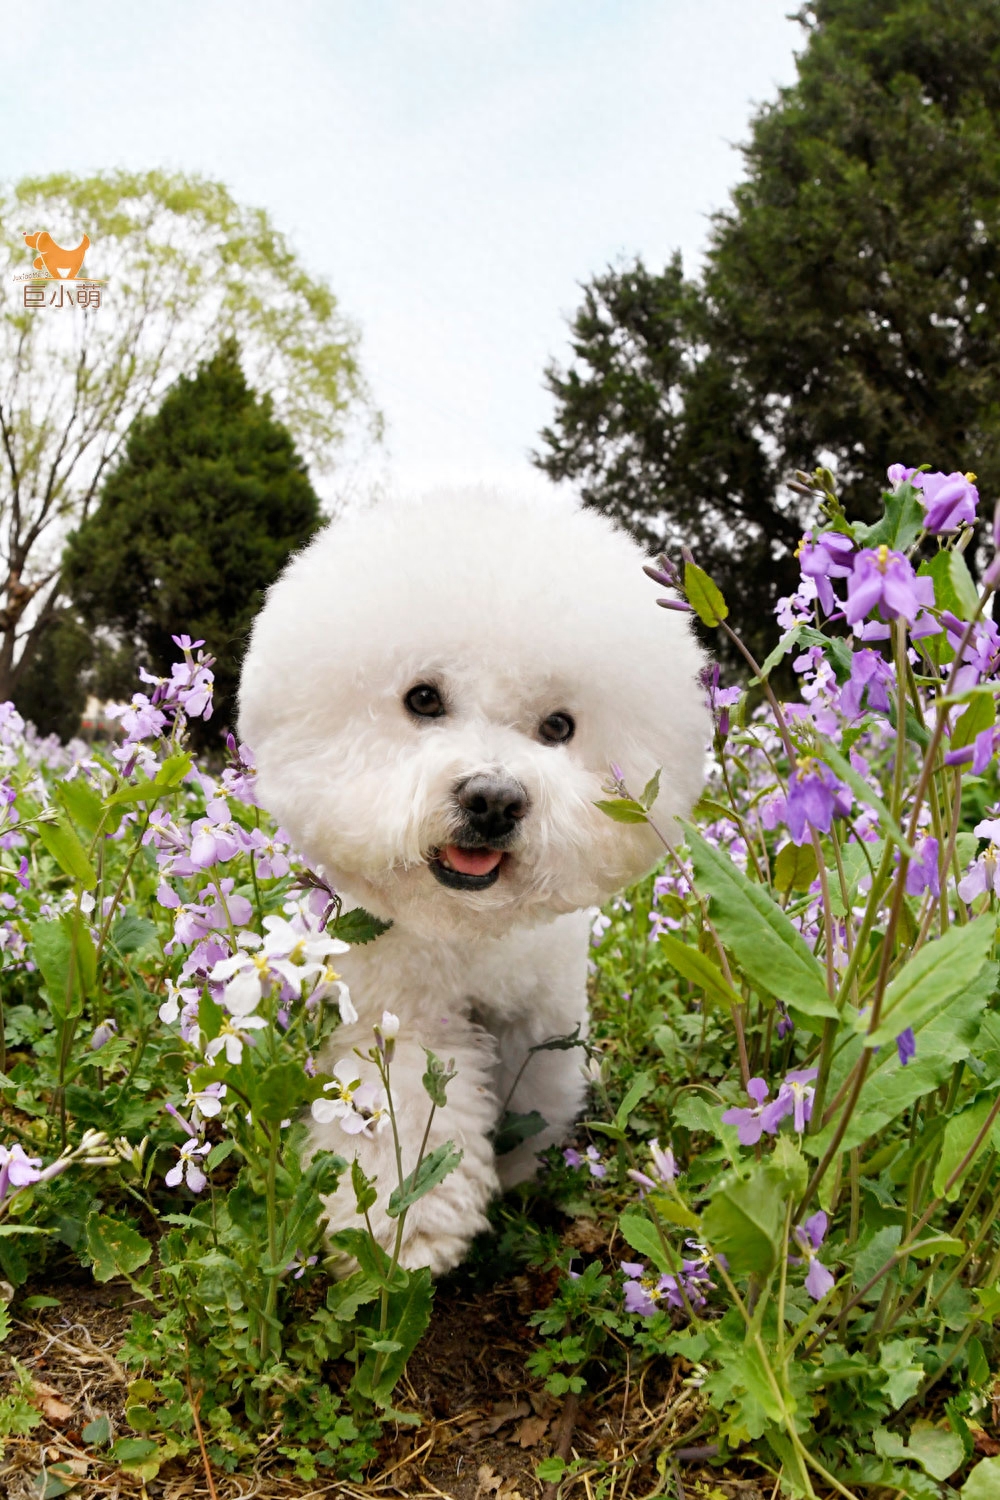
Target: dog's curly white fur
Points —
{"points": [[512, 612]]}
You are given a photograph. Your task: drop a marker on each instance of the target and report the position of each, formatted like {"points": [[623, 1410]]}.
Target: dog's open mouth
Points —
{"points": [[465, 869]]}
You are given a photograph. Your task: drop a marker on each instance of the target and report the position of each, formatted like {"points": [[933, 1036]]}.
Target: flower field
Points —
{"points": [[770, 1261]]}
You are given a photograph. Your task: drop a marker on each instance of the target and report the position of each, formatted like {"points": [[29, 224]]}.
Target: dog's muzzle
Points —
{"points": [[492, 805]]}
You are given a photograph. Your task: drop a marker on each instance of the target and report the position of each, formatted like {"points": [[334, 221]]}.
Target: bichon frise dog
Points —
{"points": [[434, 692]]}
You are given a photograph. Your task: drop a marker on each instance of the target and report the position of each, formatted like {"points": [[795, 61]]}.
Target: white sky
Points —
{"points": [[454, 168]]}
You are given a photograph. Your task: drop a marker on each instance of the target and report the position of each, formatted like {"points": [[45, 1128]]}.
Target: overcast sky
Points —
{"points": [[454, 168]]}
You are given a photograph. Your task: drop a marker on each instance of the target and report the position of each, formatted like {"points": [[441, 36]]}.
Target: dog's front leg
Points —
{"points": [[440, 1226]]}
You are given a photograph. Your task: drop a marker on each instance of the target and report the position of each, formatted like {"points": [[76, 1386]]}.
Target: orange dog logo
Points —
{"points": [[60, 264]]}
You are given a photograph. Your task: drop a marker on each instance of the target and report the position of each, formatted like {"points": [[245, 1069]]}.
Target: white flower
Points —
{"points": [[361, 1108], [244, 976], [207, 1101], [390, 1026], [187, 1167], [233, 1040]]}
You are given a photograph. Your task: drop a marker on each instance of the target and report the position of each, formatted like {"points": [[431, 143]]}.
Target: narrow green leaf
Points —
{"points": [[432, 1170], [770, 950], [624, 810], [642, 1084], [838, 763], [699, 970], [651, 790]]}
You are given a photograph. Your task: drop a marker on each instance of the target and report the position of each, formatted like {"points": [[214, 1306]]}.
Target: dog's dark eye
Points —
{"points": [[556, 729], [424, 701]]}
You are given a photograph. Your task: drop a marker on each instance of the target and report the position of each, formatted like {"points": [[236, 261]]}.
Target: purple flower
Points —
{"points": [[984, 875], [950, 500], [980, 752], [663, 1166], [17, 1169], [809, 1237], [899, 474], [785, 1025], [591, 1160], [103, 1034], [750, 1122], [815, 797], [871, 677], [883, 578], [828, 557], [906, 1046], [795, 1098], [922, 874], [644, 1290]]}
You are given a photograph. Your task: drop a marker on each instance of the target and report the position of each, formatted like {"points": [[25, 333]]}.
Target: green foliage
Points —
{"points": [[846, 307], [204, 509], [184, 267]]}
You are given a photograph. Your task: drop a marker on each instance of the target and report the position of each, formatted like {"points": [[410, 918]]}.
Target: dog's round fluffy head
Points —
{"points": [[434, 692]]}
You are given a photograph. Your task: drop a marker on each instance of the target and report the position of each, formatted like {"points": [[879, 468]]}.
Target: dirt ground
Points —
{"points": [[485, 1424]]}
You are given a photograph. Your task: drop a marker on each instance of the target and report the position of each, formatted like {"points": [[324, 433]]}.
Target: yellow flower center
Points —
{"points": [[883, 557], [971, 477]]}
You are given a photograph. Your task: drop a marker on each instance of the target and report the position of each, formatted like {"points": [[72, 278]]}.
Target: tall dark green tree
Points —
{"points": [[209, 501], [846, 314]]}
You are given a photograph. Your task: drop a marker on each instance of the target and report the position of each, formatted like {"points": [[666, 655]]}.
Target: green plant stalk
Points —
{"points": [[270, 1188], [925, 1218]]}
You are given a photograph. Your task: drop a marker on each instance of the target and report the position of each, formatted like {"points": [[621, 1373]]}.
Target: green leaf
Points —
{"points": [[744, 1221], [980, 714], [357, 926], [771, 951], [642, 1236], [651, 790], [699, 970], [133, 934], [115, 1248], [943, 1038], [959, 1135], [97, 1432], [433, 1169], [953, 586], [132, 1450], [788, 642], [64, 951], [365, 1189], [409, 1312], [641, 1085], [514, 1129], [901, 523], [795, 868], [937, 1244], [624, 810], [984, 1481], [81, 802], [218, 1154], [61, 841], [436, 1079], [703, 596], [838, 763], [280, 1091], [933, 977]]}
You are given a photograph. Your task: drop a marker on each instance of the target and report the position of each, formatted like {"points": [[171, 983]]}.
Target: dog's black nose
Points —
{"points": [[493, 804]]}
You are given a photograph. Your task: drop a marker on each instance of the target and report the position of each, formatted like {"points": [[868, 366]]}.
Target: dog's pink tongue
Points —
{"points": [[472, 861]]}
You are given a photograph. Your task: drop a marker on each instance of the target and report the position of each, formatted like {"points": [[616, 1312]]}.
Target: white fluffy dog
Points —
{"points": [[434, 692]]}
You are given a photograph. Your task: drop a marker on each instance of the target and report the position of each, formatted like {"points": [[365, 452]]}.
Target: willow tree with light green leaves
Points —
{"points": [[185, 266]]}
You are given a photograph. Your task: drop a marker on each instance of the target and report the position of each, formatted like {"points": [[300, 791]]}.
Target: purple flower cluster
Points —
{"points": [[646, 1292]]}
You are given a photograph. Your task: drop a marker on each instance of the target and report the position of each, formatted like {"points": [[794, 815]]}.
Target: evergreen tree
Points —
{"points": [[846, 313], [197, 520]]}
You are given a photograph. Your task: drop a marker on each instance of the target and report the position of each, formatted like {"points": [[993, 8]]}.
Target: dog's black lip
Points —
{"points": [[455, 880]]}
